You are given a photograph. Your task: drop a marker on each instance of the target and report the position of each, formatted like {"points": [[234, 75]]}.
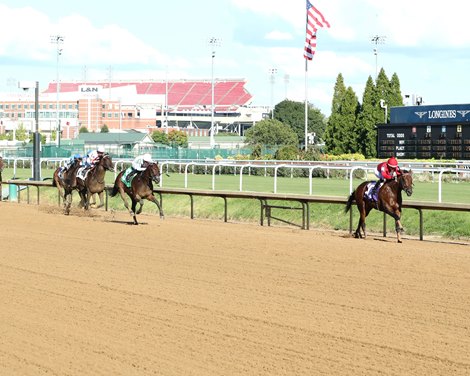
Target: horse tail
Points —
{"points": [[115, 189], [350, 201]]}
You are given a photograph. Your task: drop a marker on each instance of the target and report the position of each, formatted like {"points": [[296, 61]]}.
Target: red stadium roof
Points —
{"points": [[181, 94]]}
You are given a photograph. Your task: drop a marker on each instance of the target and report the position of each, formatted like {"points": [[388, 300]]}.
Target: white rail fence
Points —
{"points": [[241, 168]]}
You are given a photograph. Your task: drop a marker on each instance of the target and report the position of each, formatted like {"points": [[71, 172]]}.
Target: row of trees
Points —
{"points": [[350, 129], [351, 125]]}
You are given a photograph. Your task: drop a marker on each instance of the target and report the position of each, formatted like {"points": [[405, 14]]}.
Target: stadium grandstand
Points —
{"points": [[144, 106]]}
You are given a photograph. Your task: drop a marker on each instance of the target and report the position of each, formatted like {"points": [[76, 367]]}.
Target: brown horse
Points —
{"points": [[141, 188], [94, 181], [389, 201], [66, 183]]}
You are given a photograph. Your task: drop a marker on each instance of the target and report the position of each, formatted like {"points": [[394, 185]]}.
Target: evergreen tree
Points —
{"points": [[395, 98], [349, 111], [365, 128], [331, 137]]}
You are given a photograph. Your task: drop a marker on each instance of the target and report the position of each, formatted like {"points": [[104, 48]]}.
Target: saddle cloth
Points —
{"points": [[373, 196], [61, 173], [125, 175], [83, 172]]}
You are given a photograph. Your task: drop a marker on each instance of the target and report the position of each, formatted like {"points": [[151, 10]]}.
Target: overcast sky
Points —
{"points": [[427, 44]]}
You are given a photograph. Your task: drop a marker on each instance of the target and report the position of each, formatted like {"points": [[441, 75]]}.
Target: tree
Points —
{"points": [[332, 142], [366, 121], [160, 137], [104, 129], [83, 129], [395, 97], [293, 114], [21, 134], [271, 133], [178, 138]]}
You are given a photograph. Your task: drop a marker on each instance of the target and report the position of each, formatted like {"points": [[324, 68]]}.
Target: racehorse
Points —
{"points": [[389, 201], [66, 183], [141, 188], [94, 181]]}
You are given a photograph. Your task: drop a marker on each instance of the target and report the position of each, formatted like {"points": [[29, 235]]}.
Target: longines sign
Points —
{"points": [[430, 114]]}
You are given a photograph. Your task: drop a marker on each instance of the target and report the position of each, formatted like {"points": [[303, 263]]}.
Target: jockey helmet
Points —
{"points": [[100, 149], [147, 158], [392, 162]]}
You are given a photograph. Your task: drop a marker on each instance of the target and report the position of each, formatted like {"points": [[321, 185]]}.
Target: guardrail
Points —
{"points": [[265, 207]]}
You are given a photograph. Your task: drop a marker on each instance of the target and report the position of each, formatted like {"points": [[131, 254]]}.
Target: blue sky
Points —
{"points": [[426, 44]]}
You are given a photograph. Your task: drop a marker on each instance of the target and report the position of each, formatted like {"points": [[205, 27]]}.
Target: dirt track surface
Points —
{"points": [[92, 295]]}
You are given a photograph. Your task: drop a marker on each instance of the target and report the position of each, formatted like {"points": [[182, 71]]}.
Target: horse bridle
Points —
{"points": [[156, 178], [408, 190]]}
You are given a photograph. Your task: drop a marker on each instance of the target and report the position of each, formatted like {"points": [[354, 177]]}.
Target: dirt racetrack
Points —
{"points": [[92, 295]]}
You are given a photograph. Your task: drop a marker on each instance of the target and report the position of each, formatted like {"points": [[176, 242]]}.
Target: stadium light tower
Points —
{"points": [[272, 74], [377, 39], [213, 43], [58, 40]]}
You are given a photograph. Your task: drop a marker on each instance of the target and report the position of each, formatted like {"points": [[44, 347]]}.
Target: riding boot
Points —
{"points": [[130, 175], [376, 187]]}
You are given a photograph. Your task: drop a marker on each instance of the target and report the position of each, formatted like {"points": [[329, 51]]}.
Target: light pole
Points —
{"points": [[377, 39], [58, 40], [213, 43], [26, 85], [272, 73]]}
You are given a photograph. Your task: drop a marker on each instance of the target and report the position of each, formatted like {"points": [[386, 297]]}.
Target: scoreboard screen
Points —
{"points": [[424, 141]]}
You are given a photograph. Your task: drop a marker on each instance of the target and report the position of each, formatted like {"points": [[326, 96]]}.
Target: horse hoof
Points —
{"points": [[399, 241]]}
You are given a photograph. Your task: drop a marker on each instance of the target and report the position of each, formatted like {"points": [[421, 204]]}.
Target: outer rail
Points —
{"points": [[264, 199]]}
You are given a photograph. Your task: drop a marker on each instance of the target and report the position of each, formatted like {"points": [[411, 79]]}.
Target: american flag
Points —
{"points": [[314, 20]]}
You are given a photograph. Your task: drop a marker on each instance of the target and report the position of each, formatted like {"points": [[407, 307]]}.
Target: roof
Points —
{"points": [[181, 94], [115, 138]]}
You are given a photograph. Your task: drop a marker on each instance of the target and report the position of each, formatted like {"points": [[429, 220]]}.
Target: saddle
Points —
{"points": [[370, 194]]}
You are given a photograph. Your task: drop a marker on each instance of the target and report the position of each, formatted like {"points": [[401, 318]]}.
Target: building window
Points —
{"points": [[129, 114]]}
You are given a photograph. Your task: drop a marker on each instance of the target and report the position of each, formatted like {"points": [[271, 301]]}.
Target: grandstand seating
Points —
{"points": [[182, 94]]}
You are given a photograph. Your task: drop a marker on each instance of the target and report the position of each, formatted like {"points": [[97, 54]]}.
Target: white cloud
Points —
{"points": [[278, 35]]}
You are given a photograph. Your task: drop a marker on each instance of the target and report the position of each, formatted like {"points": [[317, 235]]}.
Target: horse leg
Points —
{"points": [[134, 203], [396, 214], [141, 204], [362, 220], [100, 196], [67, 201], [156, 202], [367, 210], [124, 199]]}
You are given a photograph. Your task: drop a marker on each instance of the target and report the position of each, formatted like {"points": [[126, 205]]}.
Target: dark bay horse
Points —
{"points": [[389, 201], [66, 183], [141, 188], [94, 181]]}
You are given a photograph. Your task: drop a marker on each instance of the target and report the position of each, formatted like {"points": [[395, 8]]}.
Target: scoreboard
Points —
{"points": [[423, 132]]}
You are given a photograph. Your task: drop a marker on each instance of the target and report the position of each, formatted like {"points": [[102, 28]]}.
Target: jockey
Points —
{"points": [[71, 161], [140, 163], [388, 170], [94, 156]]}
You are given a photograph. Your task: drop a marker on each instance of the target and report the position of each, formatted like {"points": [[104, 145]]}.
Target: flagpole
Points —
{"points": [[306, 104]]}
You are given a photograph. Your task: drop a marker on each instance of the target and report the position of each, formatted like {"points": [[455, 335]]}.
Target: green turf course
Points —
{"points": [[331, 216]]}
